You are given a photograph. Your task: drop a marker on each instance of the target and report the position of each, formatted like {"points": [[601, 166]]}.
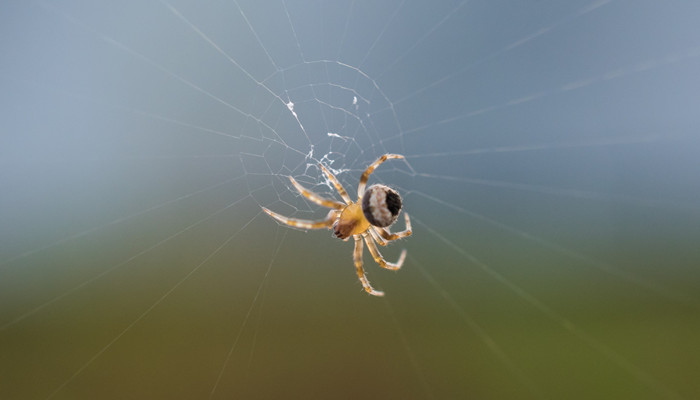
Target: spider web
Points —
{"points": [[550, 175]]}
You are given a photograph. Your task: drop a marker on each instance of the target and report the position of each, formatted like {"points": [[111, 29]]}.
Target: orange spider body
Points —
{"points": [[351, 222], [367, 219]]}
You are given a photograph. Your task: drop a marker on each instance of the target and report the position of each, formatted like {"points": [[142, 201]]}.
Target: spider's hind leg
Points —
{"points": [[357, 257], [379, 259], [388, 236], [365, 175]]}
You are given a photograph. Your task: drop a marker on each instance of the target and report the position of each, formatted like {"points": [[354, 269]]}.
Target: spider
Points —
{"points": [[375, 210]]}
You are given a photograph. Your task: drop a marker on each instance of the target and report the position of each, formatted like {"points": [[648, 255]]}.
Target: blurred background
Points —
{"points": [[551, 175]]}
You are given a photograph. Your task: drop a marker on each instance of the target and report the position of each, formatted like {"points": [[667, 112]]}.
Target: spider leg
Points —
{"points": [[316, 198], [378, 256], [337, 184], [380, 240], [365, 175], [357, 257], [388, 236], [303, 223]]}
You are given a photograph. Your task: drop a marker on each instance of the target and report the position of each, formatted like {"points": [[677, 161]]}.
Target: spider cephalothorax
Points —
{"points": [[375, 210]]}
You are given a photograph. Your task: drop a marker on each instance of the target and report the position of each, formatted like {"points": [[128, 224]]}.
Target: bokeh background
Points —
{"points": [[551, 174]]}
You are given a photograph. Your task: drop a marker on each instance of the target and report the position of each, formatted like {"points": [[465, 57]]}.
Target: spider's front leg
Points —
{"points": [[304, 223], [316, 198], [357, 257], [336, 183]]}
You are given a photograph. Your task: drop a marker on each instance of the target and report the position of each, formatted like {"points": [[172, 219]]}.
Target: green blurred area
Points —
{"points": [[279, 314]]}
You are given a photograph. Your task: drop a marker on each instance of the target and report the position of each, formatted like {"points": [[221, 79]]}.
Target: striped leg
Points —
{"points": [[377, 238], [386, 235], [357, 257], [378, 256], [316, 198], [336, 183], [303, 223], [365, 175]]}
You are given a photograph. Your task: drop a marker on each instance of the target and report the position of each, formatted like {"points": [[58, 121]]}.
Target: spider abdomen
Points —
{"points": [[381, 205]]}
